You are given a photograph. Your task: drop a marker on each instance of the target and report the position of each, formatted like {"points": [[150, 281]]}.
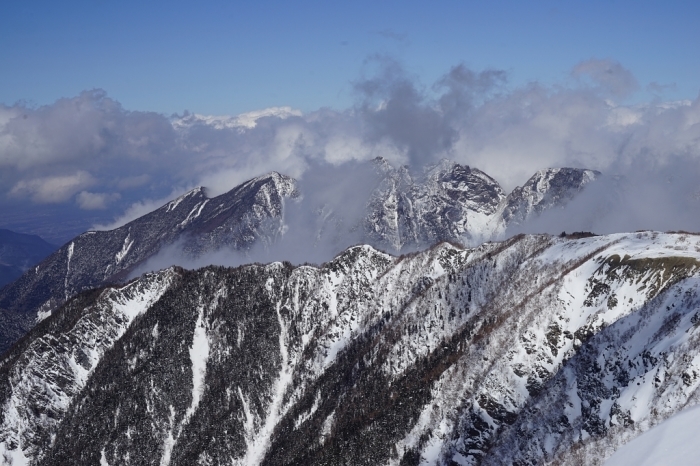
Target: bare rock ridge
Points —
{"points": [[535, 350], [448, 202]]}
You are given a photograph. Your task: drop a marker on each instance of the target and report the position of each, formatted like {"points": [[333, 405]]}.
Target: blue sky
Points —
{"points": [[233, 57]]}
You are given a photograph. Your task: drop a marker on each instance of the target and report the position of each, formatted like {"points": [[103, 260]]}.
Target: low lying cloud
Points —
{"points": [[648, 197], [90, 152]]}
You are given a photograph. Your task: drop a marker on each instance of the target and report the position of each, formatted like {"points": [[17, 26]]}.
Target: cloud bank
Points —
{"points": [[91, 153]]}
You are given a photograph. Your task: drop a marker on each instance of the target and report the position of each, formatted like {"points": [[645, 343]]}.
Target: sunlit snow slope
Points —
{"points": [[674, 441]]}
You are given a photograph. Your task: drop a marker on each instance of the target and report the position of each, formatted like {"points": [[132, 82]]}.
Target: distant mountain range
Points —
{"points": [[18, 252]]}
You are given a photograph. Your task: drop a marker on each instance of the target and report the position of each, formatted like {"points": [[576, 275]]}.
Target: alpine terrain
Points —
{"points": [[404, 212], [535, 350], [250, 212]]}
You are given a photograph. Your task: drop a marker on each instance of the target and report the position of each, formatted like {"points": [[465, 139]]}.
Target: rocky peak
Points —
{"points": [[469, 185], [553, 187], [448, 202]]}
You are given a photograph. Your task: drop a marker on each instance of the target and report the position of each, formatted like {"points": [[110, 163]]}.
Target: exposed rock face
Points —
{"points": [[530, 351], [450, 202]]}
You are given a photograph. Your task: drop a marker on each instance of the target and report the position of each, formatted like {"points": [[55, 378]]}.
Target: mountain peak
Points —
{"points": [[564, 177], [286, 185], [545, 189], [445, 165]]}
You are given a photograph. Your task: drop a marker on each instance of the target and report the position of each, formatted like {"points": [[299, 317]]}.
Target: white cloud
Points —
{"points": [[95, 201], [608, 75], [133, 181], [53, 189], [90, 145]]}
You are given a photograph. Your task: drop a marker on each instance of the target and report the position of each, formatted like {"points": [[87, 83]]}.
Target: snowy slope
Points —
{"points": [[536, 350], [41, 381], [674, 441]]}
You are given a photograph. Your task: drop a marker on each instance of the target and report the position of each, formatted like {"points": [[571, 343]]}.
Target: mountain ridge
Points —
{"points": [[448, 202], [95, 258], [534, 350]]}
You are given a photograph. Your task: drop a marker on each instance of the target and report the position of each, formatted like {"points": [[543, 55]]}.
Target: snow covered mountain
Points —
{"points": [[546, 189], [449, 202], [240, 122], [453, 202], [405, 212], [535, 350], [251, 212]]}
